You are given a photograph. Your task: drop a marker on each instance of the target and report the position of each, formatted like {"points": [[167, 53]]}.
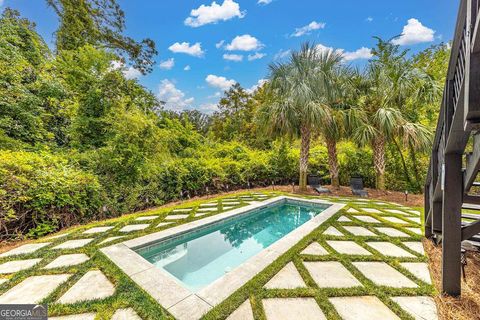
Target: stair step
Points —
{"points": [[471, 206]]}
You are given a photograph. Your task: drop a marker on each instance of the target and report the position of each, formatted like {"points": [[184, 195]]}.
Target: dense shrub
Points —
{"points": [[41, 192]]}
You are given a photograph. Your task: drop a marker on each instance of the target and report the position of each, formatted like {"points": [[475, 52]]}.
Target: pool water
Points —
{"points": [[200, 257]]}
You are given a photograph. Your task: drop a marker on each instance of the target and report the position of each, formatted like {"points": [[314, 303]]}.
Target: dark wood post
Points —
{"points": [[451, 228]]}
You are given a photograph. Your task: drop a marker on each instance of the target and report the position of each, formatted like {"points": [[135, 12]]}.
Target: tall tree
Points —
{"points": [[100, 23], [298, 89], [390, 82]]}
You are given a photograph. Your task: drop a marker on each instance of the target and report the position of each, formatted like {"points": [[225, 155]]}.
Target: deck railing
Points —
{"points": [[447, 184]]}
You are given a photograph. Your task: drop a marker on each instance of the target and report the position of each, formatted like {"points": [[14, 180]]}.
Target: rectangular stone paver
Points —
{"points": [[421, 308], [67, 260], [17, 265], [362, 308], [26, 248], [292, 308], [348, 247], [344, 219], [244, 312], [390, 250], [287, 278], [73, 244], [134, 227], [93, 285], [33, 289], [190, 308], [146, 218], [176, 216], [396, 220], [367, 219], [111, 239], [182, 210], [419, 270], [416, 246], [359, 231], [392, 232], [97, 230], [414, 219], [371, 210], [162, 224], [207, 209], [315, 249], [332, 231], [382, 274], [331, 274], [396, 211], [125, 314]]}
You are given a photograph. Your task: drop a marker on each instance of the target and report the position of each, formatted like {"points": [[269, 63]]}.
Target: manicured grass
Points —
{"points": [[128, 294]]}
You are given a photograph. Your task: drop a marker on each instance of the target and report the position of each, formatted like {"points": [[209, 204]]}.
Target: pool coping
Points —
{"points": [[174, 296]]}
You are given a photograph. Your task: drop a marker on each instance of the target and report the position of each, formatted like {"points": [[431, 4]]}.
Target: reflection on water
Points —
{"points": [[203, 257]]}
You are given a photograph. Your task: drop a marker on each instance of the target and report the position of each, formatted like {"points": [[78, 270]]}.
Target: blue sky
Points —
{"points": [[194, 66]]}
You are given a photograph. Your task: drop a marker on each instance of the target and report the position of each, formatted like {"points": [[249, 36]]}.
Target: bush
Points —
{"points": [[40, 193]]}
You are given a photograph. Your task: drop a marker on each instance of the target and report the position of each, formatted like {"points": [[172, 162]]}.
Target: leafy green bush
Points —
{"points": [[40, 192]]}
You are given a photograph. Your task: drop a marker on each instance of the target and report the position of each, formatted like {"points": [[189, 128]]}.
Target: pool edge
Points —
{"points": [[177, 299]]}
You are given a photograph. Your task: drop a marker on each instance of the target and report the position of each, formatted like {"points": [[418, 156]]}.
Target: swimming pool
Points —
{"points": [[234, 246], [200, 257]]}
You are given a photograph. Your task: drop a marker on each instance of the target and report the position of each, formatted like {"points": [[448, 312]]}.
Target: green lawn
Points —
{"points": [[128, 294]]}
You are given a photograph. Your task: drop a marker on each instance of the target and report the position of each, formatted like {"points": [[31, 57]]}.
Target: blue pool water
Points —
{"points": [[200, 257]]}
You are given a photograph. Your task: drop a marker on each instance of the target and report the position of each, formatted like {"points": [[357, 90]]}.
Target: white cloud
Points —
{"points": [[132, 73], [167, 64], [174, 98], [314, 25], [208, 107], [281, 54], [219, 44], [187, 68], [414, 32], [369, 19], [233, 57], [129, 73], [219, 82], [213, 13], [244, 43], [264, 2], [257, 55], [256, 86], [362, 53], [185, 47]]}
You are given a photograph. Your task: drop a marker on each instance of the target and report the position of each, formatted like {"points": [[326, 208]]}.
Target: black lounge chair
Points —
{"points": [[357, 187], [314, 182]]}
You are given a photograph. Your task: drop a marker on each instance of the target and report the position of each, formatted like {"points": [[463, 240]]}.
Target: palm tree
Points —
{"points": [[336, 103], [388, 84], [298, 87]]}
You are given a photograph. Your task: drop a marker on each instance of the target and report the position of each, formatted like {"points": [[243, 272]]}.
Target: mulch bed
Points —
{"points": [[468, 305]]}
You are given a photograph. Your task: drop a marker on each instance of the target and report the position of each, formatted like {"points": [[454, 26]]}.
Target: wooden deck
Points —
{"points": [[455, 159]]}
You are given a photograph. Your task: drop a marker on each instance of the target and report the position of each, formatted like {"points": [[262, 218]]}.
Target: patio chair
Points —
{"points": [[314, 182], [356, 184]]}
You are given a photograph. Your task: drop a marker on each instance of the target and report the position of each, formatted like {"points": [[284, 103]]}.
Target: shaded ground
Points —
{"points": [[468, 306]]}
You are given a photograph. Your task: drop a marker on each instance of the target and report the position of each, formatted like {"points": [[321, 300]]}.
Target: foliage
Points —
{"points": [[100, 23], [41, 192], [79, 141]]}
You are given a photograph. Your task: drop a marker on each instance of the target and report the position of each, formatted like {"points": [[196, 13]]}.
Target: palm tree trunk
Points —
{"points": [[379, 161], [404, 163], [304, 154], [333, 162]]}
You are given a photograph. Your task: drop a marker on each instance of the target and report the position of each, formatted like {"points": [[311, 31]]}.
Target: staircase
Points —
{"points": [[455, 161]]}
